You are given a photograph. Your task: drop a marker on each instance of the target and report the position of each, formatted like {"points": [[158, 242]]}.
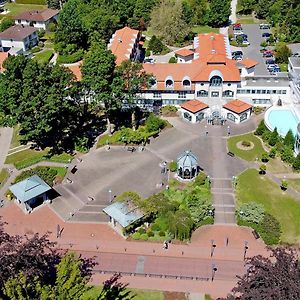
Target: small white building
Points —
{"points": [[237, 111], [184, 55], [18, 38], [37, 18], [193, 110]]}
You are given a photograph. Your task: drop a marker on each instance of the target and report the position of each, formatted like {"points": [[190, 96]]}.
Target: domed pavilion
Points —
{"points": [[187, 165]]}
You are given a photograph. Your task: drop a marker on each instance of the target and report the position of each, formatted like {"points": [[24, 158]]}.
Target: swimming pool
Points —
{"points": [[282, 119]]}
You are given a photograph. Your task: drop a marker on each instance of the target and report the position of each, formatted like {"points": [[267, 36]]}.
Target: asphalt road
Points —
{"points": [[252, 51]]}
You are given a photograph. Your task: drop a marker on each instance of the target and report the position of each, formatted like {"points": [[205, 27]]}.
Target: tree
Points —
{"points": [[289, 139], [287, 154], [141, 13], [199, 11], [115, 290], [98, 71], [263, 7], [261, 128], [296, 163], [164, 27], [274, 137], [246, 6], [54, 4], [219, 13], [155, 45], [252, 212], [6, 23], [135, 79], [282, 271], [282, 53]]}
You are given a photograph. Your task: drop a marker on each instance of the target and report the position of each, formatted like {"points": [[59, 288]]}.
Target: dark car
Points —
{"points": [[266, 34], [237, 53], [264, 26], [268, 54], [270, 62]]}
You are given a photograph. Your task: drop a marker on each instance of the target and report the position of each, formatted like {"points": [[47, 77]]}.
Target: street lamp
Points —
{"points": [[245, 249], [109, 196], [206, 131], [208, 180], [214, 269], [228, 130], [213, 246]]}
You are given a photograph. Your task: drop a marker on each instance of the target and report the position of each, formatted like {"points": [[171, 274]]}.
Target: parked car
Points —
{"points": [[246, 42], [270, 62], [237, 25], [268, 53], [237, 53], [297, 54], [149, 60], [264, 26], [273, 68], [266, 34], [237, 57], [238, 30]]}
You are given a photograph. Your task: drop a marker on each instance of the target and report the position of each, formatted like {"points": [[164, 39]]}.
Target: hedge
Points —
{"points": [[69, 59], [36, 2]]}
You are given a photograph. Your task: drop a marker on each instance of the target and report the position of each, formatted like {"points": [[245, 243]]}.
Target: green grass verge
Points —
{"points": [[15, 140], [29, 157], [249, 155], [207, 297], [44, 57], [294, 183], [139, 294], [254, 187], [3, 176], [246, 20], [204, 29], [283, 67], [15, 9]]}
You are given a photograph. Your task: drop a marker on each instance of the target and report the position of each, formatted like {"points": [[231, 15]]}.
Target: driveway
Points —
{"points": [[252, 51]]}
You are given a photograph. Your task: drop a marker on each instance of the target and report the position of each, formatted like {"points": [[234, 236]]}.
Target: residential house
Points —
{"points": [[37, 18], [18, 39]]}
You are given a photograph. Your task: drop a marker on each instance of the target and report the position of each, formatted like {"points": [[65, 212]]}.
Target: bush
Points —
{"points": [[38, 2], [130, 196], [246, 143], [41, 33], [156, 45], [296, 163], [144, 237], [284, 184], [262, 169], [154, 123], [155, 227], [71, 58], [173, 60], [261, 128], [266, 136], [6, 22], [36, 49], [46, 173], [51, 27], [274, 137], [270, 230], [200, 179], [169, 110], [289, 139], [265, 157], [251, 212], [287, 155], [272, 153], [161, 233], [136, 236], [141, 230], [173, 166], [150, 233]]}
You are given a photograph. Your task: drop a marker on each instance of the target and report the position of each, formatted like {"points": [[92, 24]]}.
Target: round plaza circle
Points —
{"points": [[246, 148]]}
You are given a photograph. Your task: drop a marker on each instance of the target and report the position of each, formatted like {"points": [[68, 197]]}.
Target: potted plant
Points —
{"points": [[262, 169], [265, 157], [284, 185]]}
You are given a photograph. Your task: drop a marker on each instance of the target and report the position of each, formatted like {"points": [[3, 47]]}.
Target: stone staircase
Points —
{"points": [[223, 200]]}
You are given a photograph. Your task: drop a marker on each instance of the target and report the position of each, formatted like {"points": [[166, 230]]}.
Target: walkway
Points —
{"points": [[5, 138]]}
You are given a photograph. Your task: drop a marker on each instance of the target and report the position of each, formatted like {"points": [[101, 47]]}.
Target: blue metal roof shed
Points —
{"points": [[29, 188], [121, 213]]}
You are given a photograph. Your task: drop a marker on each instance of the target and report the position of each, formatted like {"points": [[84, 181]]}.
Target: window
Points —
{"points": [[274, 91], [248, 91], [243, 117], [231, 117], [169, 83], [228, 84], [258, 91], [263, 91], [268, 92], [200, 117], [182, 95], [215, 94], [215, 81], [202, 93], [187, 116], [283, 91], [19, 21], [186, 83], [238, 91], [156, 95], [201, 83], [228, 93], [252, 91]]}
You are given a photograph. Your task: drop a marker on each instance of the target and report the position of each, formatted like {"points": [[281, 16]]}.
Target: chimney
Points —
{"points": [[120, 40]]}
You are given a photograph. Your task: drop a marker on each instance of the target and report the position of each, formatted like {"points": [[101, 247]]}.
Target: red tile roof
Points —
{"points": [[75, 69], [211, 43], [237, 106], [194, 106], [122, 43], [3, 57], [184, 52], [37, 15], [17, 32], [248, 63]]}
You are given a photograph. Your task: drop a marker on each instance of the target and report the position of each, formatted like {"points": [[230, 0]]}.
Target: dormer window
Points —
{"points": [[169, 83], [186, 83]]}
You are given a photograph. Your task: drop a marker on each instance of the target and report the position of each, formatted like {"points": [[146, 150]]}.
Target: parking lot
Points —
{"points": [[252, 51]]}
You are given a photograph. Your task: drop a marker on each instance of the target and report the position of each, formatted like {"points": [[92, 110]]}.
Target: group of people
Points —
{"points": [[166, 244]]}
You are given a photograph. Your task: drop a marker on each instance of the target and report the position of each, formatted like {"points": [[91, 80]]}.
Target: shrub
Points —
{"points": [[296, 163], [272, 153], [6, 22], [173, 60], [130, 196], [70, 58], [148, 53], [173, 166], [289, 139], [246, 143], [270, 230], [251, 212], [156, 45], [274, 137], [266, 135], [41, 33], [38, 2], [169, 110], [161, 233], [154, 123], [136, 236], [261, 128], [144, 237], [284, 184], [265, 157], [150, 233], [287, 155], [262, 169], [155, 227], [200, 179], [36, 49], [141, 230], [51, 27]]}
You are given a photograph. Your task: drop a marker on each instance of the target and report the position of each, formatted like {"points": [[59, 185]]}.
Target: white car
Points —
{"points": [[246, 42]]}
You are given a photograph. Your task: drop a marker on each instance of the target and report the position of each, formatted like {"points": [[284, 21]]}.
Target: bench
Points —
{"points": [[230, 154], [132, 149], [255, 234]]}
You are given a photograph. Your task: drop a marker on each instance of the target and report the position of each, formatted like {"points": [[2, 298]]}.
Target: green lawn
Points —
{"points": [[245, 20], [15, 140], [204, 29], [283, 67], [276, 165], [29, 157], [294, 183], [139, 294], [44, 57], [15, 9], [254, 187], [3, 176], [249, 155]]}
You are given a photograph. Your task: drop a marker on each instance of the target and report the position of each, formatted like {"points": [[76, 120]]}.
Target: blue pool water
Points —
{"points": [[284, 120]]}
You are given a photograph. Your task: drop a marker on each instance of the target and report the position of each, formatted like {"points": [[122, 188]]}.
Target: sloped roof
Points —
{"points": [[237, 106], [29, 188], [17, 32], [75, 69], [121, 212], [37, 15], [187, 160], [122, 42], [3, 57], [194, 106], [211, 43], [184, 52], [248, 63]]}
